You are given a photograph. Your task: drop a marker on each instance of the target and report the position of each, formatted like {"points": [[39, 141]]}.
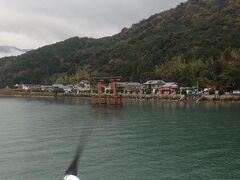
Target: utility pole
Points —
{"points": [[197, 87]]}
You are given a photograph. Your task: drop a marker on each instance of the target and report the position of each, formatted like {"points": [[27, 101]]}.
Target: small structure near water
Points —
{"points": [[114, 98]]}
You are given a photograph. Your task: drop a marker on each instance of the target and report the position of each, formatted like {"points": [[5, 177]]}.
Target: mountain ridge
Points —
{"points": [[196, 30]]}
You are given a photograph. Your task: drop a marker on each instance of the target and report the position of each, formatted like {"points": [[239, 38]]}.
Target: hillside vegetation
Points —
{"points": [[197, 41]]}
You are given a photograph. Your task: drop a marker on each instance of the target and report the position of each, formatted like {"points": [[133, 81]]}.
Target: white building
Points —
{"points": [[83, 86]]}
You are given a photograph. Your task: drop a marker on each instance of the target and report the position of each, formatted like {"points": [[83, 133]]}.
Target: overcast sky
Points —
{"points": [[34, 23]]}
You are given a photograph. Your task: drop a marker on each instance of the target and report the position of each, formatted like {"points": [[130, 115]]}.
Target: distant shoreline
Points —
{"points": [[135, 97]]}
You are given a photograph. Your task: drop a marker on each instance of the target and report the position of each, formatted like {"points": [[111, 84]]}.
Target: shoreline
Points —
{"points": [[133, 97]]}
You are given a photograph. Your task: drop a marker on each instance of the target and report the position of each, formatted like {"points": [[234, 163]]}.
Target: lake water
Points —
{"points": [[140, 141]]}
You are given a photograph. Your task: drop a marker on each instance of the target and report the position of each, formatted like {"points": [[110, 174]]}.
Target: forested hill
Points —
{"points": [[197, 41]]}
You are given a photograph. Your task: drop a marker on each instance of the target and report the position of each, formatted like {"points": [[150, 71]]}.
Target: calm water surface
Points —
{"points": [[141, 141]]}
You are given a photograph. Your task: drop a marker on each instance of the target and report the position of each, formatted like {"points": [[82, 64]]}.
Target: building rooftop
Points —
{"points": [[154, 82]]}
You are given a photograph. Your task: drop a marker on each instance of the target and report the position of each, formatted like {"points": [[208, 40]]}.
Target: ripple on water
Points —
{"points": [[140, 141]]}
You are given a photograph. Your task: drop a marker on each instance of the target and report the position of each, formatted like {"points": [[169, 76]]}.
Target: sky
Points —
{"points": [[30, 24]]}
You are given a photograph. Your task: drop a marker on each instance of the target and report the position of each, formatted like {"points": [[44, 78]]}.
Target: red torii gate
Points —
{"points": [[113, 98]]}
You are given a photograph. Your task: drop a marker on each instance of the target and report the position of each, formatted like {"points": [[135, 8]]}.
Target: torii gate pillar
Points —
{"points": [[99, 88]]}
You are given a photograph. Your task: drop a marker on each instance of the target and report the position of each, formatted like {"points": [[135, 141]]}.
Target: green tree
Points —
{"points": [[231, 74], [82, 73]]}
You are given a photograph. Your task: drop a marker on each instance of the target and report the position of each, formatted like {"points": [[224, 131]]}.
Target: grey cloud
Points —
{"points": [[34, 23]]}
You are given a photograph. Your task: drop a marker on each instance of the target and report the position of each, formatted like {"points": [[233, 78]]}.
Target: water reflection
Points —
{"points": [[141, 140]]}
